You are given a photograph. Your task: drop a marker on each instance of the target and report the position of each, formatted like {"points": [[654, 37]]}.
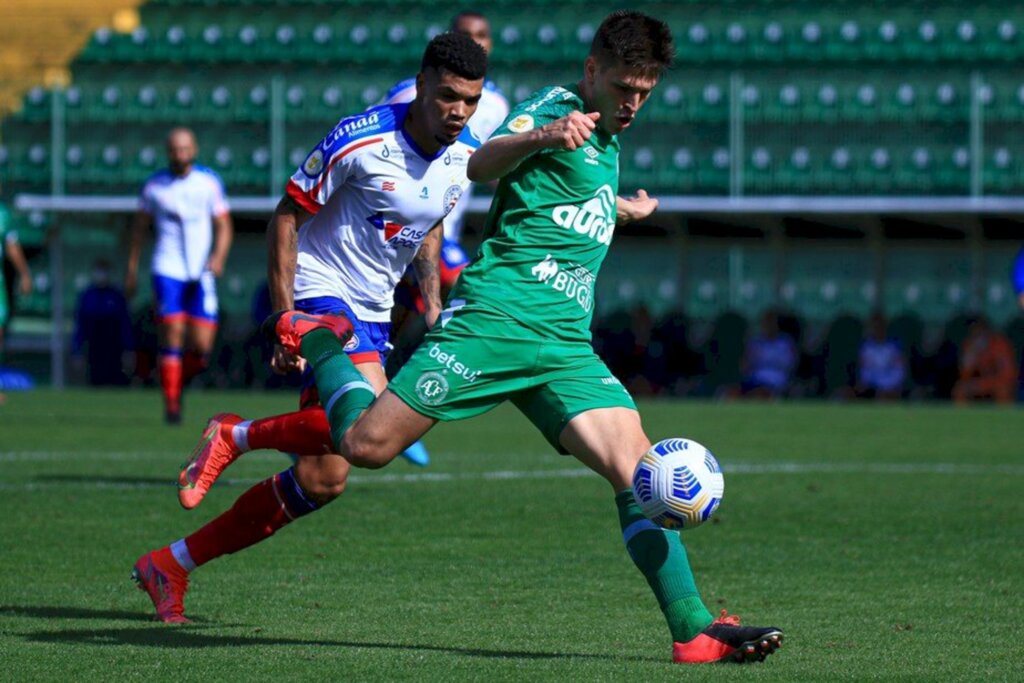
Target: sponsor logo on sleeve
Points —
{"points": [[314, 163], [521, 123]]}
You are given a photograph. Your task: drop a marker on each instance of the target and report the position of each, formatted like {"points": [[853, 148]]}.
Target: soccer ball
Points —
{"points": [[678, 484]]}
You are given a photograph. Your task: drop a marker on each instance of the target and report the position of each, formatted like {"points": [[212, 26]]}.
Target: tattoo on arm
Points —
{"points": [[428, 269]]}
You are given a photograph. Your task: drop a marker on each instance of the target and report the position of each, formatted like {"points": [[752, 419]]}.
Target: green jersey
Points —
{"points": [[5, 223], [549, 226]]}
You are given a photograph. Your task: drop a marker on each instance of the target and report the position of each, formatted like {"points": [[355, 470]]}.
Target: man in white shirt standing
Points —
{"points": [[186, 205]]}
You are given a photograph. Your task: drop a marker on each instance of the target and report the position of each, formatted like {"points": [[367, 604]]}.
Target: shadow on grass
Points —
{"points": [[71, 613], [190, 638]]}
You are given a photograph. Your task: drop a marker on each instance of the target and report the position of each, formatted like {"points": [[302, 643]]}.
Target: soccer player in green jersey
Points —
{"points": [[11, 248], [516, 327]]}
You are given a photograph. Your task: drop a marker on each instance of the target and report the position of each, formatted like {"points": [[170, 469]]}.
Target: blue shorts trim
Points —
{"points": [[186, 298]]}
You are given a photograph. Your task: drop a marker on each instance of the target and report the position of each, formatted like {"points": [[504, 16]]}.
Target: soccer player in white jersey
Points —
{"points": [[407, 317], [489, 114], [187, 206], [370, 199]]}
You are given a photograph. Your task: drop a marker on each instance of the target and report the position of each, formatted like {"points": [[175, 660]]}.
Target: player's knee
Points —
{"points": [[322, 478], [363, 452]]}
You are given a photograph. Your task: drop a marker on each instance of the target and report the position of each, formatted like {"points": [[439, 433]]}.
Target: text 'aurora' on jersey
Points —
{"points": [[595, 219]]}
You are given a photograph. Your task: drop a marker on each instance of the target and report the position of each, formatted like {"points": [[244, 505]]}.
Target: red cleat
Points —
{"points": [[211, 456], [726, 641], [163, 579], [288, 327]]}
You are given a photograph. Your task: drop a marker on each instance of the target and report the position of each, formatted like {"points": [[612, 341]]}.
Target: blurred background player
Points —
{"points": [[492, 110], [881, 363], [768, 361], [11, 249], [187, 206], [102, 341], [1018, 277], [988, 365], [370, 199]]}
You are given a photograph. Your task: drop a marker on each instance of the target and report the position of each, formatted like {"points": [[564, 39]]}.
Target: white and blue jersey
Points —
{"points": [[374, 194], [182, 209], [490, 113]]}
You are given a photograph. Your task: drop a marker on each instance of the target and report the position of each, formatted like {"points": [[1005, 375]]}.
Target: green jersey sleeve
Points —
{"points": [[542, 107]]}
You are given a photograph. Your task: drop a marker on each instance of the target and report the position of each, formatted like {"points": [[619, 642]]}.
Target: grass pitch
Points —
{"points": [[887, 542]]}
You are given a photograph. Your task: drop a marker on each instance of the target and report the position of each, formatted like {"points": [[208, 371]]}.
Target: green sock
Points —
{"points": [[344, 392], [659, 555]]}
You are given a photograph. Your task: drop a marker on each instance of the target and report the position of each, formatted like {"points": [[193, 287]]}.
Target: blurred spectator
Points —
{"points": [[768, 361], [988, 366], [881, 363], [103, 329]]}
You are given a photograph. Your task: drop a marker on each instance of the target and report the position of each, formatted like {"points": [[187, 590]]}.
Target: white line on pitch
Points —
{"points": [[429, 477]]}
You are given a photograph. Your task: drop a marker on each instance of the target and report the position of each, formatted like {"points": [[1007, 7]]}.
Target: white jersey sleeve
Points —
{"points": [[329, 165]]}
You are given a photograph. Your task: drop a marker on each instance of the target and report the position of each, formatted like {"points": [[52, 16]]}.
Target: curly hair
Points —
{"points": [[634, 40], [456, 53]]}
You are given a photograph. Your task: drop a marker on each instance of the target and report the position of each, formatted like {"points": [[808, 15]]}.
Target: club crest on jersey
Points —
{"points": [[314, 163], [352, 344], [431, 388], [451, 198]]}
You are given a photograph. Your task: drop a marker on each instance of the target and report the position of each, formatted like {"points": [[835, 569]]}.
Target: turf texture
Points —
{"points": [[887, 541]]}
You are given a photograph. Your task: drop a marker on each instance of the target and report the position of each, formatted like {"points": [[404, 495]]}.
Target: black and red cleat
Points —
{"points": [[725, 640], [288, 327]]}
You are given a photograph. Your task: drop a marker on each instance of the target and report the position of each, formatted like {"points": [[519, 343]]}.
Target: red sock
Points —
{"points": [[170, 379], [305, 432], [193, 364], [256, 515]]}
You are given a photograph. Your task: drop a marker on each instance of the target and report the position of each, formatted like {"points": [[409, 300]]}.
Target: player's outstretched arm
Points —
{"points": [[501, 155], [635, 208], [131, 275], [282, 256], [427, 264]]}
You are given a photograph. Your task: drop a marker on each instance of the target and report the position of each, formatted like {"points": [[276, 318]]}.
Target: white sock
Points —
{"points": [[240, 433], [180, 551]]}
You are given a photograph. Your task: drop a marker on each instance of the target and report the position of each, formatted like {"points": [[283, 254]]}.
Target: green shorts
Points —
{"points": [[480, 358]]}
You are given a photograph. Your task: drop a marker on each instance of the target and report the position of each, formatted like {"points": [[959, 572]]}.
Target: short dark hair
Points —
{"points": [[465, 14], [634, 40], [457, 53]]}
